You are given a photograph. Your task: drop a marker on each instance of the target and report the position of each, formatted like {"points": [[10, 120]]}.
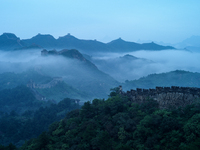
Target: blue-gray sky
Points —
{"points": [[170, 21]]}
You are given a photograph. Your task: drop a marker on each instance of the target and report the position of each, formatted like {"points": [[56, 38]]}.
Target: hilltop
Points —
{"points": [[173, 78]]}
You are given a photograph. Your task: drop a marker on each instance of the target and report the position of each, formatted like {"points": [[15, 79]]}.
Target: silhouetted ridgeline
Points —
{"points": [[165, 96], [10, 41]]}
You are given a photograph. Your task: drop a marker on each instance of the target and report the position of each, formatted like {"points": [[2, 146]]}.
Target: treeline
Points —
{"points": [[117, 123]]}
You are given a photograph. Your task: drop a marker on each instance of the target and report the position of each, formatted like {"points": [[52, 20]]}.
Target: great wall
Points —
{"points": [[50, 84], [34, 86], [165, 96]]}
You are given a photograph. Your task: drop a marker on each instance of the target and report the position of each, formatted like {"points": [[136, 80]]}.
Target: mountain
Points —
{"points": [[78, 72], [192, 49], [121, 68], [47, 41], [118, 123], [193, 41], [9, 41], [173, 78], [124, 46], [43, 87], [32, 46], [70, 42]]}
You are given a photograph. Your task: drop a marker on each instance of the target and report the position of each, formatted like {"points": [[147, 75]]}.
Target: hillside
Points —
{"points": [[80, 77], [18, 99], [173, 78], [120, 45], [117, 123], [121, 68], [47, 41], [30, 117], [77, 72], [10, 41], [42, 86]]}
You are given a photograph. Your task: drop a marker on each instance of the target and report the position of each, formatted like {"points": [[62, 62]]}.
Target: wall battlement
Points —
{"points": [[165, 96]]}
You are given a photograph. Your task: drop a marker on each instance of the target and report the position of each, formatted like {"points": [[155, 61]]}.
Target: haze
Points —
{"points": [[168, 21], [111, 63]]}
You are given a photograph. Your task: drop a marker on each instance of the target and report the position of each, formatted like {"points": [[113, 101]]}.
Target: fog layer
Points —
{"points": [[119, 67], [151, 62]]}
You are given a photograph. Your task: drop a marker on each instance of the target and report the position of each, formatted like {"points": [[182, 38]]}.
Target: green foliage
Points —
{"points": [[192, 128], [60, 91], [117, 123], [9, 147], [17, 128], [173, 78], [18, 99]]}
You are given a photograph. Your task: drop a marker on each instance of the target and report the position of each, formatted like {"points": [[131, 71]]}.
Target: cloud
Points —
{"points": [[153, 62], [111, 63]]}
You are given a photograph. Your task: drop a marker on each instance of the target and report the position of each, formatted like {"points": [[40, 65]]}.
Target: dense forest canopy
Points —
{"points": [[117, 123]]}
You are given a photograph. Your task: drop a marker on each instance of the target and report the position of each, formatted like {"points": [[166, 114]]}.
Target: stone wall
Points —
{"points": [[51, 84], [165, 96]]}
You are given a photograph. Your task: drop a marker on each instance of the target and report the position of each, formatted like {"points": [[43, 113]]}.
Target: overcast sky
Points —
{"points": [[170, 21]]}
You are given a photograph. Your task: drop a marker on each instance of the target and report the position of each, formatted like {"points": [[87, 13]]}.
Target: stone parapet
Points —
{"points": [[165, 96]]}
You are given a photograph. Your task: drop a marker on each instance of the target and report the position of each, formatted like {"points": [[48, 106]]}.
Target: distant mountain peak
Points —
{"points": [[128, 56], [11, 41], [9, 36], [119, 39], [68, 36], [39, 35]]}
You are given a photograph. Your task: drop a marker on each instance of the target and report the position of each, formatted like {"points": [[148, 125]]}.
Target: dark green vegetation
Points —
{"points": [[173, 78], [56, 91], [11, 80], [117, 123], [18, 99], [61, 91], [10, 41], [27, 120]]}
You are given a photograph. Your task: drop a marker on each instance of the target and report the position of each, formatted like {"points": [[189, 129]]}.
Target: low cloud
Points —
{"points": [[111, 63], [152, 62]]}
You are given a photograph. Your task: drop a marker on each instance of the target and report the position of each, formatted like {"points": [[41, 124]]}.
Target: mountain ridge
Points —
{"points": [[71, 42]]}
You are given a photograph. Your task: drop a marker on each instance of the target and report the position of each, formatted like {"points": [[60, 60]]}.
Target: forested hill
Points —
{"points": [[46, 86], [24, 117], [117, 123], [173, 78]]}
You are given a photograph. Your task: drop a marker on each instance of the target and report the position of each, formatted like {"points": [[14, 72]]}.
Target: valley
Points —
{"points": [[43, 78]]}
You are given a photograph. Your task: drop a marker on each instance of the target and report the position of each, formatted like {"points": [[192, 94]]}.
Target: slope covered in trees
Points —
{"points": [[173, 78], [16, 128], [56, 92], [117, 123]]}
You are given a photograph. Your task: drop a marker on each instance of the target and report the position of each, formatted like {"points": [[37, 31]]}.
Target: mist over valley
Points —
{"points": [[92, 71], [43, 78]]}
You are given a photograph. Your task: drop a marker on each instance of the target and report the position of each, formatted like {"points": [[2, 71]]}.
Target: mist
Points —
{"points": [[120, 68], [81, 75], [148, 62]]}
